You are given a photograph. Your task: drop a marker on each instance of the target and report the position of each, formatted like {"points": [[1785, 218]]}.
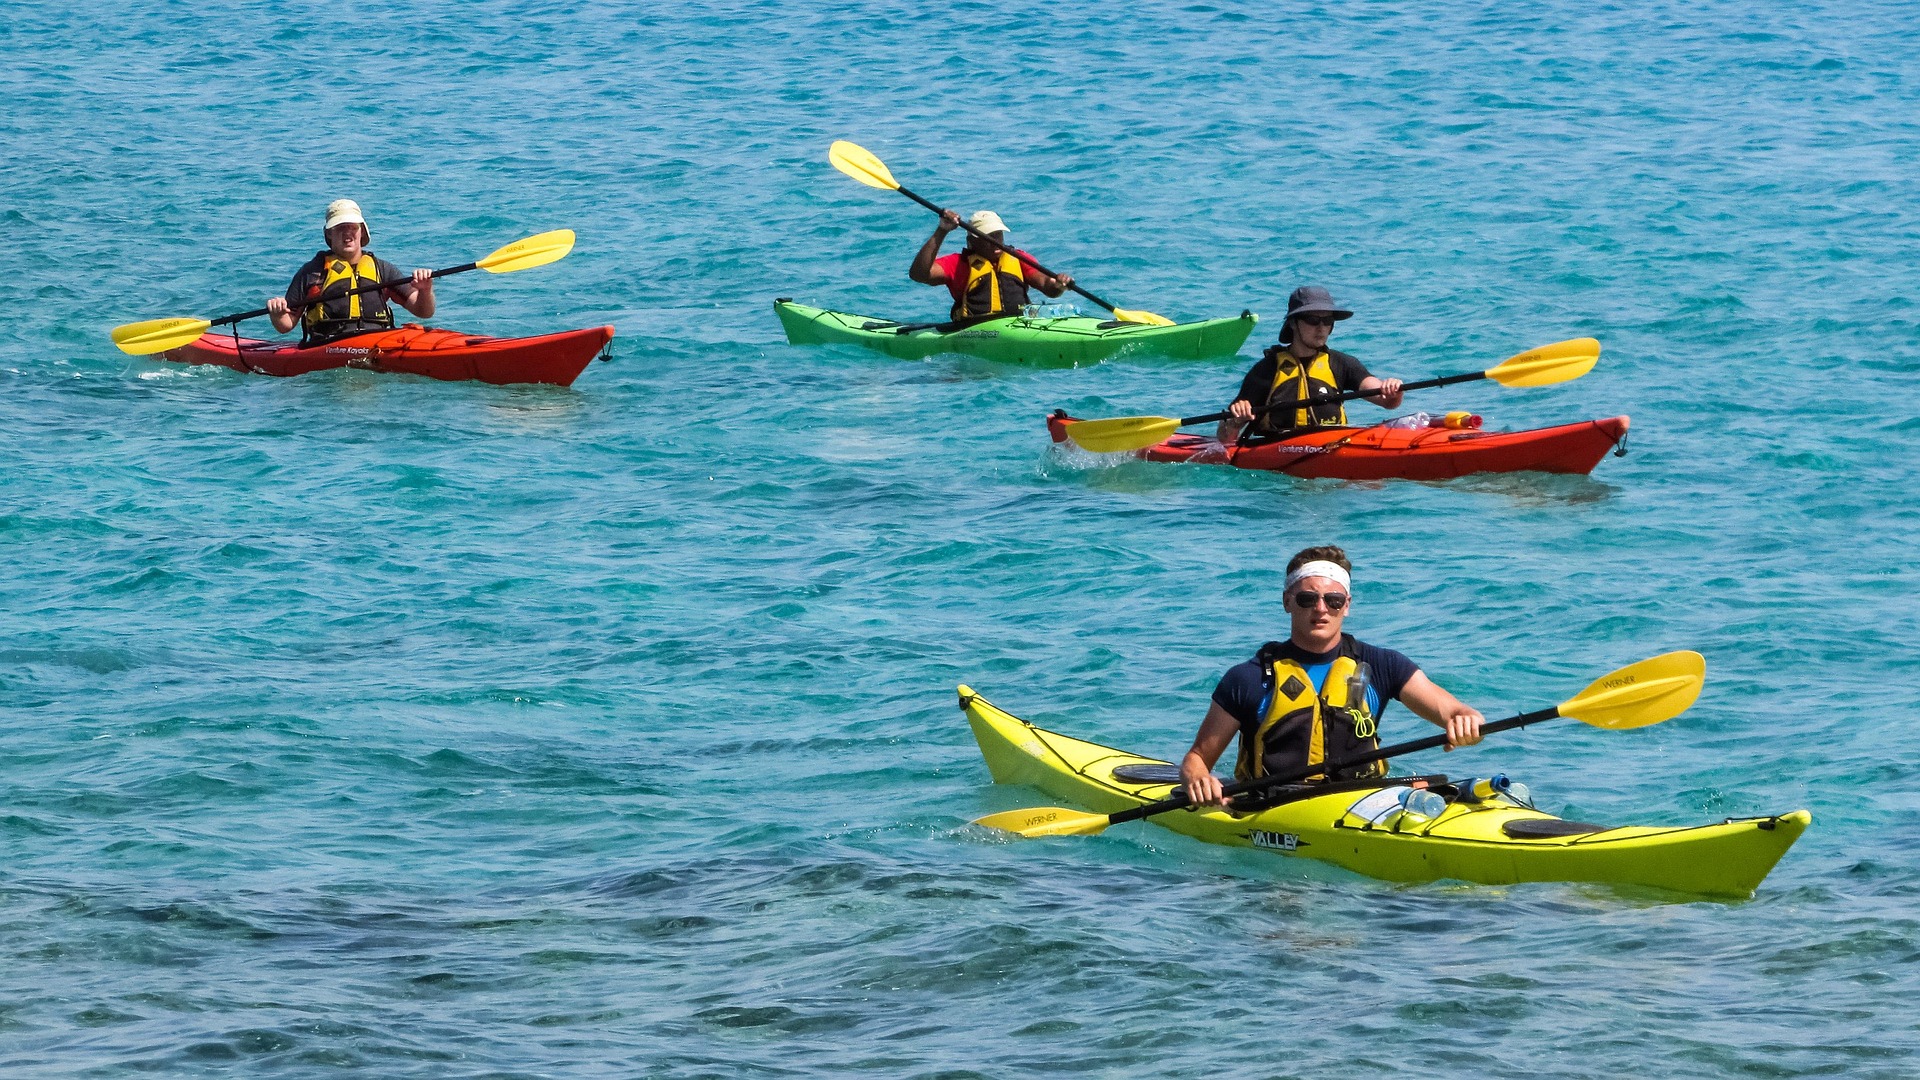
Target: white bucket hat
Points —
{"points": [[988, 222], [341, 211]]}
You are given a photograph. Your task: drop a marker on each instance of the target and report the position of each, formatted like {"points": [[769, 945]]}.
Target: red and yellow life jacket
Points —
{"points": [[994, 285]]}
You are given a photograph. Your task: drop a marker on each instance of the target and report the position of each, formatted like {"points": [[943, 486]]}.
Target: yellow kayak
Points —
{"points": [[1358, 825]]}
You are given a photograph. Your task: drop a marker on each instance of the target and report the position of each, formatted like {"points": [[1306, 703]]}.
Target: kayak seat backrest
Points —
{"points": [[1548, 828]]}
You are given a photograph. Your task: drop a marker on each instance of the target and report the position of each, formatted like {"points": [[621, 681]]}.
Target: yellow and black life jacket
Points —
{"points": [[330, 312], [1301, 727], [1293, 381], [994, 286]]}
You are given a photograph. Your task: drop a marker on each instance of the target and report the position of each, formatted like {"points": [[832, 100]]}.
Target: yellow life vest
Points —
{"points": [[1301, 727], [993, 287], [1293, 381], [333, 312]]}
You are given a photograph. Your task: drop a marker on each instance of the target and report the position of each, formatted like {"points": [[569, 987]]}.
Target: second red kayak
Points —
{"points": [[557, 359], [1383, 453]]}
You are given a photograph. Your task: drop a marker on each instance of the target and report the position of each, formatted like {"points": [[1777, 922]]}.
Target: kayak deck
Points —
{"points": [[1470, 841], [1059, 342], [555, 359], [1384, 453]]}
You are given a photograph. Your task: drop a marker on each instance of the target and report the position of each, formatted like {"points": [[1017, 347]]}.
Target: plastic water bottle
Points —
{"points": [[1458, 421], [1417, 420], [1418, 806], [1054, 310]]}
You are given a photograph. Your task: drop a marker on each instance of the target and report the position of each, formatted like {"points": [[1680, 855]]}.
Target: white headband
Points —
{"points": [[1328, 570]]}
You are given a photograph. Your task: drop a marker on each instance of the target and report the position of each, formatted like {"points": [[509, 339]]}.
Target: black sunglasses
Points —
{"points": [[1306, 600], [1316, 320]]}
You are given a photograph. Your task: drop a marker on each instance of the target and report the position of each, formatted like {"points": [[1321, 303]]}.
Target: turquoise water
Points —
{"points": [[429, 729]]}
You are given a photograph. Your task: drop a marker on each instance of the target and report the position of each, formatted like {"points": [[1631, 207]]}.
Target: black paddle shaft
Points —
{"points": [[971, 231], [1262, 783], [228, 320], [1350, 395]]}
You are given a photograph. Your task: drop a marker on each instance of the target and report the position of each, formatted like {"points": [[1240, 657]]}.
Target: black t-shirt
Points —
{"points": [[1242, 691], [1348, 373]]}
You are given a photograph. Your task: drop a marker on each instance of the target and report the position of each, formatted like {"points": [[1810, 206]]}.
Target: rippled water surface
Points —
{"points": [[430, 729]]}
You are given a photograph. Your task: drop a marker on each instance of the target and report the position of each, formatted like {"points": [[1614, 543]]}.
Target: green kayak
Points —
{"points": [[1053, 342]]}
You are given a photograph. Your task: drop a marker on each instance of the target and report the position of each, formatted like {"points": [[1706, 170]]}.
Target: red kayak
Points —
{"points": [[1381, 453], [414, 350]]}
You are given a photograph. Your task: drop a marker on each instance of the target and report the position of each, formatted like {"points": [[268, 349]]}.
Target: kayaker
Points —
{"points": [[316, 292], [986, 281], [1295, 704], [1299, 367]]}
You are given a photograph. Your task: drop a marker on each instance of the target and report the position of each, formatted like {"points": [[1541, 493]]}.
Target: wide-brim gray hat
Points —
{"points": [[1307, 300]]}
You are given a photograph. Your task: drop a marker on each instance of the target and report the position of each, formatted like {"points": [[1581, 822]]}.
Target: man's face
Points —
{"points": [[974, 243], [1325, 612], [344, 239], [1312, 330]]}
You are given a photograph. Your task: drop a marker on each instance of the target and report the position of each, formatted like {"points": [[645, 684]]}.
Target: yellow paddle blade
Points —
{"points": [[526, 254], [856, 161], [1147, 317], [1046, 821], [1562, 361], [1656, 689], [1121, 434], [158, 335]]}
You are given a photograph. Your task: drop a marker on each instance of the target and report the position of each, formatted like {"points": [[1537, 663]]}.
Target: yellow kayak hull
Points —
{"points": [[1469, 842]]}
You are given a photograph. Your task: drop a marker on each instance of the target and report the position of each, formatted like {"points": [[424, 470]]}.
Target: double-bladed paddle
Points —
{"points": [[858, 162], [1638, 695], [159, 335], [1562, 361]]}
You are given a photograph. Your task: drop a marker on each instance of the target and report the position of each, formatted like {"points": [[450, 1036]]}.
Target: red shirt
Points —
{"points": [[957, 277]]}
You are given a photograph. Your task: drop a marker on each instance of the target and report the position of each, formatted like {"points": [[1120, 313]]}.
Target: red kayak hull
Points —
{"points": [[557, 359], [1383, 453]]}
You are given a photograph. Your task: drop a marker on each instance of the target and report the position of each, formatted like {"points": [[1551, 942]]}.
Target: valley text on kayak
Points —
{"points": [[987, 278], [322, 296], [1317, 696], [1301, 368]]}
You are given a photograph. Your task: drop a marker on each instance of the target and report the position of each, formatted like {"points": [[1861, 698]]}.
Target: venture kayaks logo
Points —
{"points": [[1275, 841]]}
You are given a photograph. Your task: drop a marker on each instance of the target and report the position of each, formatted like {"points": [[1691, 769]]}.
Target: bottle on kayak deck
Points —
{"points": [[1481, 790], [1458, 421], [1418, 806], [1416, 420], [1496, 786], [1058, 310]]}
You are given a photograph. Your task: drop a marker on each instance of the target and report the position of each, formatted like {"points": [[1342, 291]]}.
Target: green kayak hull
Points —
{"points": [[1065, 342]]}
